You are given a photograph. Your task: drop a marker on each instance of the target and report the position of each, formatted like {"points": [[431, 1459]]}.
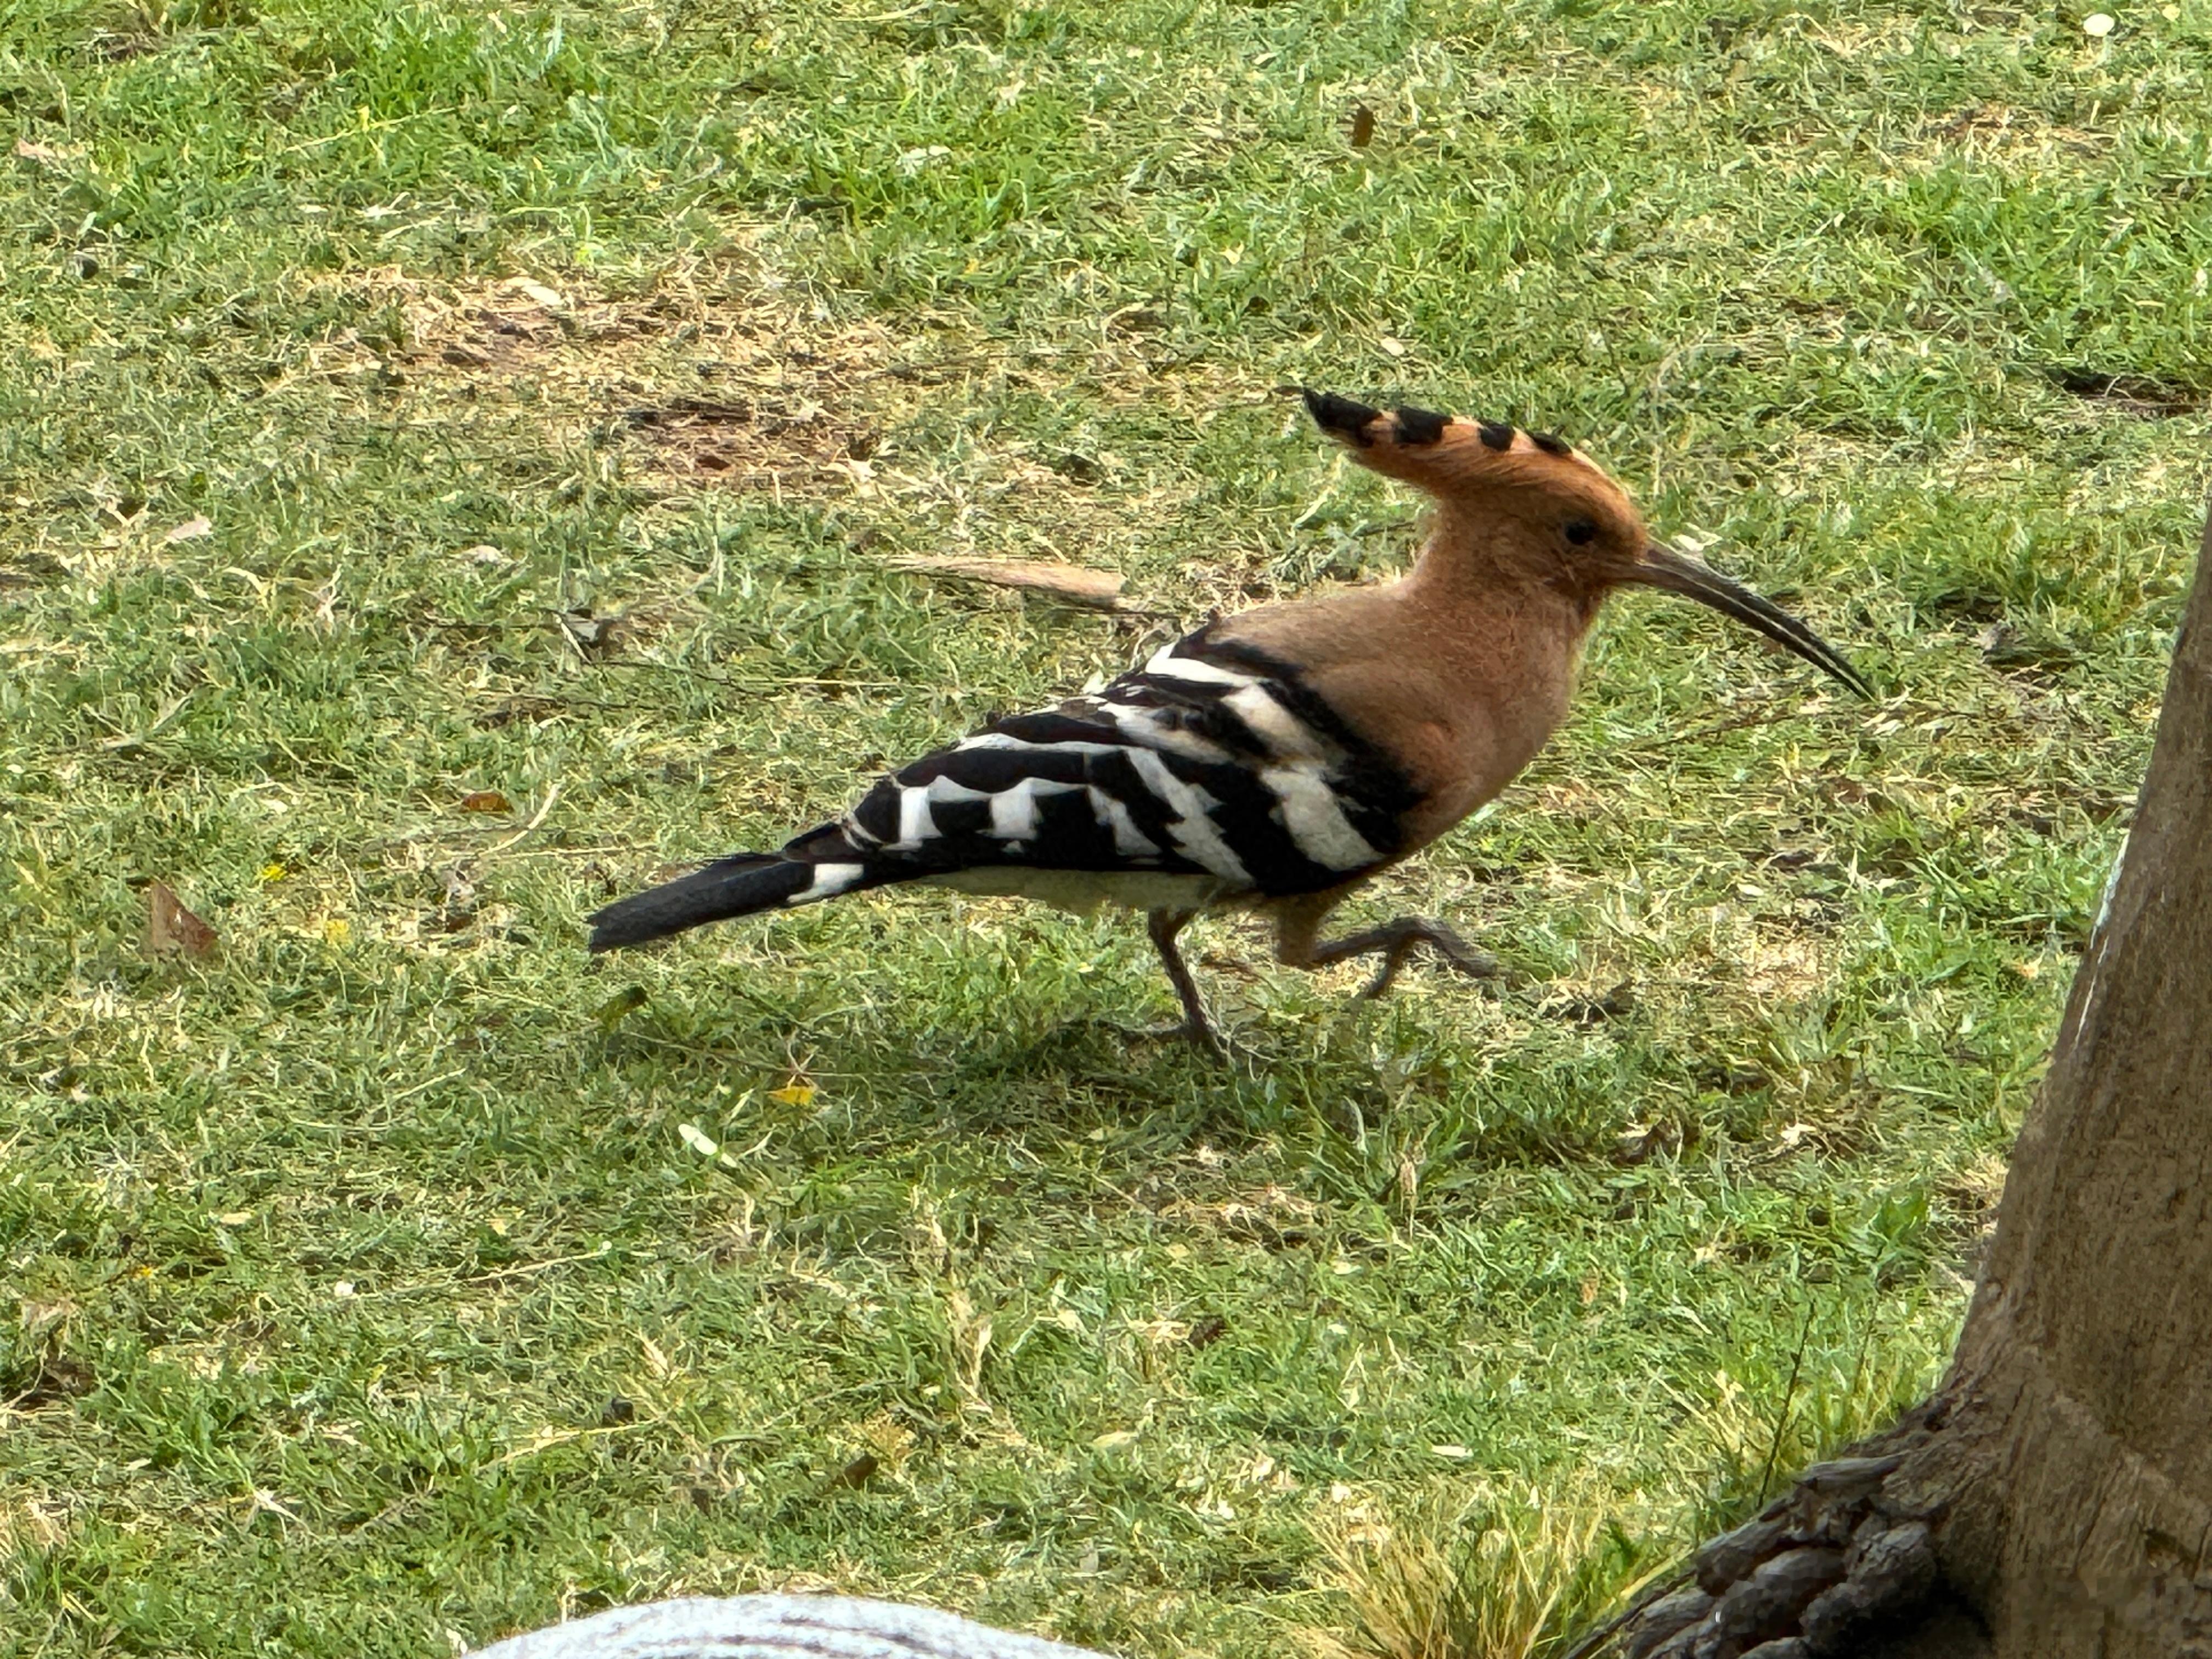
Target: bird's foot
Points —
{"points": [[1396, 941], [1454, 952], [1199, 1034]]}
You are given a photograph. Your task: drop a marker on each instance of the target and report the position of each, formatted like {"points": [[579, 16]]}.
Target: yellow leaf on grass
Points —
{"points": [[794, 1093]]}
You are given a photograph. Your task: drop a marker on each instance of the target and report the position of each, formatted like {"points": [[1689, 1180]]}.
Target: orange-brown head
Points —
{"points": [[1525, 507]]}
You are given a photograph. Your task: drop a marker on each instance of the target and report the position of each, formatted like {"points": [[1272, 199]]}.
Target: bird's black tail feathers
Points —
{"points": [[735, 886]]}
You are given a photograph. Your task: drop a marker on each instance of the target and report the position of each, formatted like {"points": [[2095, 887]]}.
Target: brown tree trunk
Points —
{"points": [[2054, 1498], [2080, 1445]]}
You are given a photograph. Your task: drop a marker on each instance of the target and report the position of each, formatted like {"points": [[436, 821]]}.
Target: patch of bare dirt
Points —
{"points": [[708, 381], [1782, 966], [741, 443], [721, 377], [2143, 396], [519, 324]]}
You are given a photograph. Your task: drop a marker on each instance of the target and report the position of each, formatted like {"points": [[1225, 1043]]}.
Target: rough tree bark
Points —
{"points": [[2054, 1498]]}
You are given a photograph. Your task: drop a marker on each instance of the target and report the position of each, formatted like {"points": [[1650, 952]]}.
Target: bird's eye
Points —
{"points": [[1581, 531]]}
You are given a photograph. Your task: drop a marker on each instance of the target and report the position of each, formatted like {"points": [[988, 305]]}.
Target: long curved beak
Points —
{"points": [[1681, 573]]}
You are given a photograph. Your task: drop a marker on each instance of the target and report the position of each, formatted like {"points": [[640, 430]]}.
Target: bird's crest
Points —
{"points": [[1364, 428], [1532, 504], [1474, 465]]}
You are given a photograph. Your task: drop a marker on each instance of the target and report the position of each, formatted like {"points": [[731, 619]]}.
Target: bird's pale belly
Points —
{"points": [[1086, 889]]}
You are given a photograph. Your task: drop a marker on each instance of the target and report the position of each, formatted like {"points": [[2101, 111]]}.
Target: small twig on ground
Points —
{"points": [[537, 818], [1788, 1398]]}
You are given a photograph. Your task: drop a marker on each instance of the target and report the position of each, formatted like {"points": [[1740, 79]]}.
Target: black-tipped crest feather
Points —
{"points": [[1340, 415], [1421, 426]]}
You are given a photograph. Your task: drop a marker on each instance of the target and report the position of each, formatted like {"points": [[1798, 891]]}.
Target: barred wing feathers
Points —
{"points": [[1213, 770]]}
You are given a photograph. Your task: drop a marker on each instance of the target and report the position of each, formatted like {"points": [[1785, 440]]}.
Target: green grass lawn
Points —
{"points": [[362, 1290]]}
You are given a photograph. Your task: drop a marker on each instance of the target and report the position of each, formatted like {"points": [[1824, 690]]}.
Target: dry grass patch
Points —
{"points": [[737, 444], [1511, 1575], [720, 377], [716, 375], [1781, 968]]}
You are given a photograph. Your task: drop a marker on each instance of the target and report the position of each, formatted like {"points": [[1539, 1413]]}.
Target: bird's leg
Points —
{"points": [[1163, 926], [1297, 945]]}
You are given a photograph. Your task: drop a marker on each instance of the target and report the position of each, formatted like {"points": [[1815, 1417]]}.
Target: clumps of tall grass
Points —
{"points": [[1526, 1572], [1497, 1575]]}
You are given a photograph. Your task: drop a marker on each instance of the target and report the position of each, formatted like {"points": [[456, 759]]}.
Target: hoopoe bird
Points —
{"points": [[1277, 758]]}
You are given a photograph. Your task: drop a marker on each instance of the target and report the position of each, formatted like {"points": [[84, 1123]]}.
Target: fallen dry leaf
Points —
{"points": [[590, 634], [486, 800], [31, 151], [1101, 589], [611, 1013], [859, 1472], [171, 929], [190, 529], [1363, 127], [550, 298]]}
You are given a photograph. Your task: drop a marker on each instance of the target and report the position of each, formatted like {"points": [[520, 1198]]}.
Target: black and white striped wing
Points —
{"points": [[1213, 760]]}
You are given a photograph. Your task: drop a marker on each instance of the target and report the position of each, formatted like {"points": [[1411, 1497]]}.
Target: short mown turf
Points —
{"points": [[455, 461]]}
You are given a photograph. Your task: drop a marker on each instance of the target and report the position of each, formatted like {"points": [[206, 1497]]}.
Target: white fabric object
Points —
{"points": [[776, 1628]]}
